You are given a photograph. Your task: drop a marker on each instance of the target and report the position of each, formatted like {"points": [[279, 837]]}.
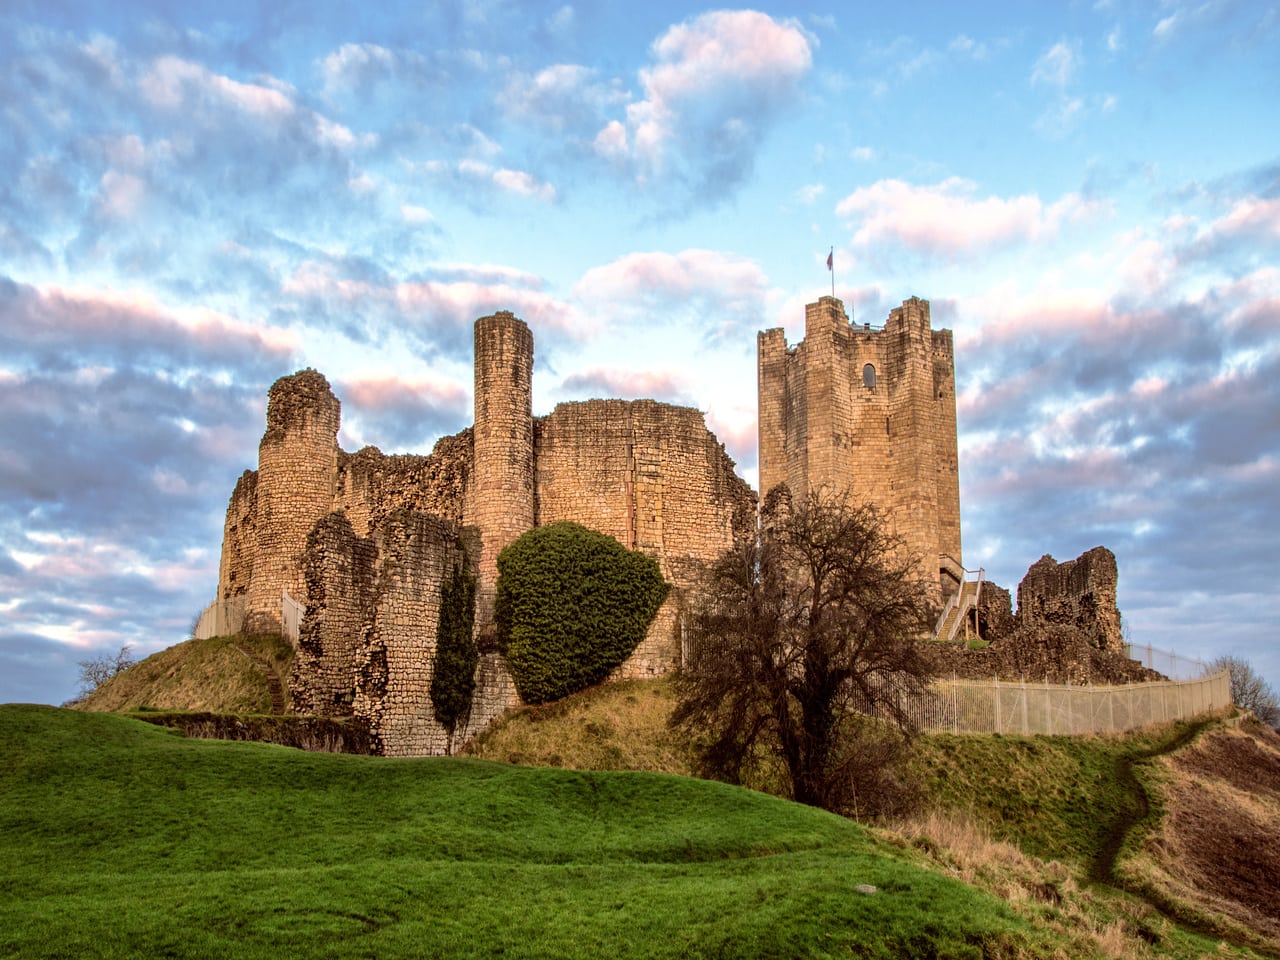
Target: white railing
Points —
{"points": [[222, 618], [291, 616], [955, 600]]}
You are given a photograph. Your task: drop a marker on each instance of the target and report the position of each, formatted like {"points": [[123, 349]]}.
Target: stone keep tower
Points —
{"points": [[870, 413], [502, 491], [297, 473]]}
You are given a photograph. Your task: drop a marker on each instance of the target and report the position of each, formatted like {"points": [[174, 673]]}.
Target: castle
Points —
{"points": [[364, 542]]}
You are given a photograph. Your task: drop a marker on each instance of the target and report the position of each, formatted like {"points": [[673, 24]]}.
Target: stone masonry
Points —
{"points": [[1079, 593], [868, 412], [366, 539], [1066, 629]]}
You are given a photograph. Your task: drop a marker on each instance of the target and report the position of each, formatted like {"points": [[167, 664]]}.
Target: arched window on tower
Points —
{"points": [[869, 376]]}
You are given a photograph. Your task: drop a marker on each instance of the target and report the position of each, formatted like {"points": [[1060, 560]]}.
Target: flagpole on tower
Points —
{"points": [[831, 259]]}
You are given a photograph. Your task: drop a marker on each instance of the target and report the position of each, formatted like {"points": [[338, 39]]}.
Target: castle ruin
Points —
{"points": [[367, 540]]}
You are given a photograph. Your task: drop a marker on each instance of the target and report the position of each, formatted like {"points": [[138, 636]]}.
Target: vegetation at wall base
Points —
{"points": [[572, 605], [453, 673], [121, 839]]}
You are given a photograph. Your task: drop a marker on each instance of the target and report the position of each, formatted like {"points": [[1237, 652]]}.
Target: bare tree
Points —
{"points": [[801, 637], [1249, 691], [94, 673]]}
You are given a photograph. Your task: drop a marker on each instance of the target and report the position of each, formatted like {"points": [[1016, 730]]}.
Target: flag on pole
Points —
{"points": [[829, 260]]}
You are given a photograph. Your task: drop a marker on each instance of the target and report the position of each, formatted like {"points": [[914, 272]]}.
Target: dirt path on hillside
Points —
{"points": [[1138, 807], [1212, 862], [1220, 837]]}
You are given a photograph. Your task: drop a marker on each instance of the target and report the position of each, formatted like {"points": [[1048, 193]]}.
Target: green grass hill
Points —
{"points": [[218, 674], [121, 839], [1161, 843]]}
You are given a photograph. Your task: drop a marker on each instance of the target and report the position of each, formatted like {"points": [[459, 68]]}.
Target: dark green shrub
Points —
{"points": [[572, 605], [453, 676]]}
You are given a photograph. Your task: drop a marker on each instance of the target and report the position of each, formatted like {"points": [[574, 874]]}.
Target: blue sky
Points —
{"points": [[198, 198]]}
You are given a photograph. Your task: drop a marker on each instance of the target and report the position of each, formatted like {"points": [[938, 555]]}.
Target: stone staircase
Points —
{"points": [[961, 605]]}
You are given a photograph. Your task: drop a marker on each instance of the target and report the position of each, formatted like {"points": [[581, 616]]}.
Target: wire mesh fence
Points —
{"points": [[1175, 666], [994, 706]]}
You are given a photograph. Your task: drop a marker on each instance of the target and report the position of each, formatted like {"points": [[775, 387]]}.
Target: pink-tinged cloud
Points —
{"points": [[84, 316], [1249, 218], [950, 219], [740, 436], [374, 393], [647, 278], [463, 301], [615, 382]]}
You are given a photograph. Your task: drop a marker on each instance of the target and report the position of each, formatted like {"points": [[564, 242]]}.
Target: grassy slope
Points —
{"points": [[1030, 819], [214, 674], [122, 839]]}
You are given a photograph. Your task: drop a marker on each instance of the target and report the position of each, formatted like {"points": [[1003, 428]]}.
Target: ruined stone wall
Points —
{"points": [[1047, 654], [239, 538], [297, 474], [339, 567], [1079, 593], [371, 484], [869, 413], [416, 554], [654, 478], [1066, 629]]}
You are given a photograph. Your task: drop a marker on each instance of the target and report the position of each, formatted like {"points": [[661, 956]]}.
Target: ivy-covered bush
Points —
{"points": [[453, 675], [572, 605]]}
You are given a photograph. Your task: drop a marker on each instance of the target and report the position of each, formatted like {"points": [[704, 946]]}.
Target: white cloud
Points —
{"points": [[416, 215], [715, 83], [1056, 65], [966, 46], [950, 218], [657, 276], [120, 195], [1059, 118], [174, 83], [524, 184], [810, 193]]}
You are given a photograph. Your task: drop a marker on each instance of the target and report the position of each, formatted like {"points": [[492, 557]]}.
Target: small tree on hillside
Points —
{"points": [[1249, 691], [453, 674], [804, 637], [94, 673]]}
